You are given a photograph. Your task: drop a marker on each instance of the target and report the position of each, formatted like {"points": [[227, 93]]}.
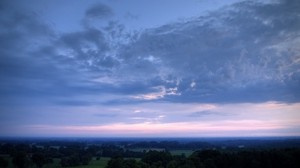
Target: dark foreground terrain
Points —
{"points": [[150, 152]]}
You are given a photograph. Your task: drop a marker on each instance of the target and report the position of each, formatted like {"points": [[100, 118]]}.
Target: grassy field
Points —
{"points": [[55, 164], [103, 160], [93, 164], [179, 152], [101, 163]]}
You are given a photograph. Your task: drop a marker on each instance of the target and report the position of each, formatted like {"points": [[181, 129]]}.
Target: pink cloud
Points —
{"points": [[175, 129]]}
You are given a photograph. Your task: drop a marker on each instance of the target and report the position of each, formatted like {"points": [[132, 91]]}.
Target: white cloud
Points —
{"points": [[161, 92], [152, 59], [137, 111], [193, 84]]}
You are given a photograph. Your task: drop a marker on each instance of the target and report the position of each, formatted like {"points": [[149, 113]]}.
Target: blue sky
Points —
{"points": [[136, 68]]}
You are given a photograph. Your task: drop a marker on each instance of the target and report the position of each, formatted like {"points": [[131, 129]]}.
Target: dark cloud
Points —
{"points": [[23, 73], [35, 66], [39, 65], [244, 53], [87, 48], [99, 11], [129, 15]]}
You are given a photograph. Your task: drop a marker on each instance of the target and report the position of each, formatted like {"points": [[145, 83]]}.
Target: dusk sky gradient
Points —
{"points": [[149, 68]]}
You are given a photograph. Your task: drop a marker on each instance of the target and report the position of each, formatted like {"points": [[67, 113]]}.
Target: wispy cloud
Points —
{"points": [[229, 128], [209, 113], [158, 119], [159, 94]]}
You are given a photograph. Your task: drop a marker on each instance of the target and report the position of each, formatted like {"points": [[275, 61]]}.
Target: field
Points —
{"points": [[103, 160], [93, 164], [180, 152]]}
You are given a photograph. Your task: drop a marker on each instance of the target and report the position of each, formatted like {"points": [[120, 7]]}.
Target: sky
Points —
{"points": [[141, 68]]}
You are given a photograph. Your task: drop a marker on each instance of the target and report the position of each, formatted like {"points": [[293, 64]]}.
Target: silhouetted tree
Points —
{"points": [[115, 163], [40, 159], [130, 163], [3, 162], [157, 158], [20, 160]]}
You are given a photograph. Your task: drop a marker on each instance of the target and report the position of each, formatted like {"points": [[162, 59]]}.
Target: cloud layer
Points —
{"points": [[245, 53], [242, 53]]}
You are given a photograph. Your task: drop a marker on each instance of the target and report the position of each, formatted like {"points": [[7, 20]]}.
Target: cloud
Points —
{"points": [[217, 74], [271, 118], [131, 16], [99, 11], [244, 53], [41, 66], [87, 48], [106, 115], [22, 72], [159, 94], [207, 113], [243, 128]]}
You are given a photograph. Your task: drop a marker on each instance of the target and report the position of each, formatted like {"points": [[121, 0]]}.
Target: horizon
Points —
{"points": [[170, 68], [158, 139]]}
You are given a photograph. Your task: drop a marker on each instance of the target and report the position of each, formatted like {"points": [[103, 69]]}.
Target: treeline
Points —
{"points": [[169, 145], [26, 155], [38, 154], [276, 158], [216, 143]]}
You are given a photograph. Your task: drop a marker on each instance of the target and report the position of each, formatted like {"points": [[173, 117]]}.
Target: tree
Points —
{"points": [[20, 160], [172, 164], [157, 158], [115, 163], [3, 162], [142, 165], [40, 159]]}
